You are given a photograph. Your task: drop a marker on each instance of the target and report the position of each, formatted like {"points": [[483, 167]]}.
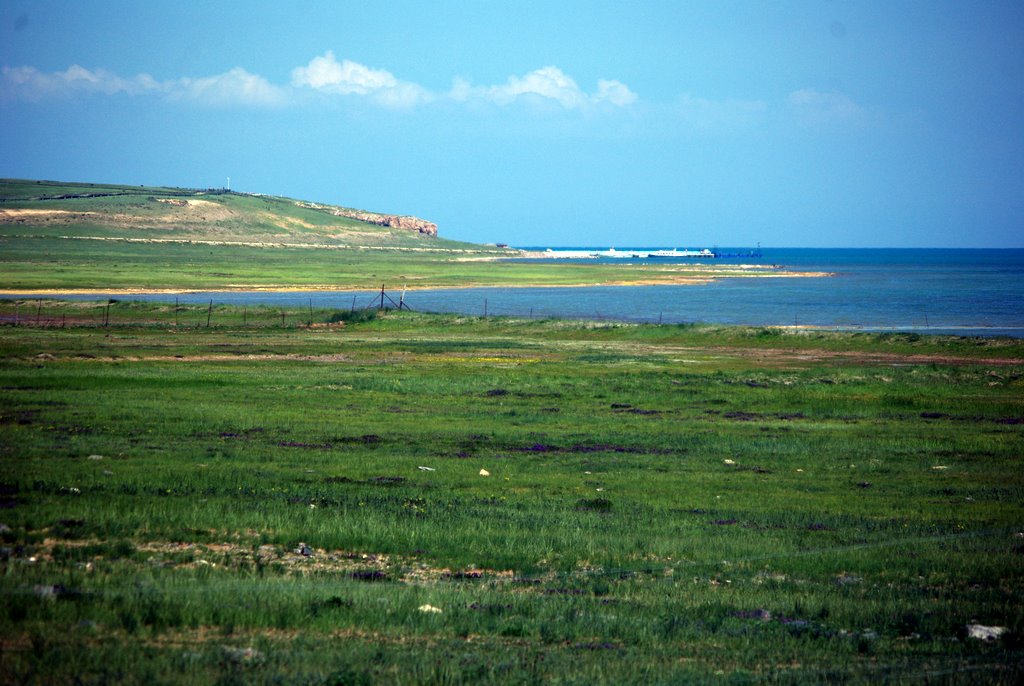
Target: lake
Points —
{"points": [[963, 292]]}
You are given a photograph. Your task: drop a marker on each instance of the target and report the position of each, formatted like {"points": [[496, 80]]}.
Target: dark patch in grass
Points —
{"points": [[463, 576], [864, 484], [8, 496], [496, 393], [338, 480], [332, 603], [368, 575], [58, 591], [594, 505], [564, 591], [22, 418], [490, 608], [386, 480], [308, 446], [365, 439], [723, 522], [621, 406], [597, 646], [817, 526], [594, 448], [743, 416], [1010, 421]]}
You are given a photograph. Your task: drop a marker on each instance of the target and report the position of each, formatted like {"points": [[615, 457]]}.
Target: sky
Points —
{"points": [[689, 124]]}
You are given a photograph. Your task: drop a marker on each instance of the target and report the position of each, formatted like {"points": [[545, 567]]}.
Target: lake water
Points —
{"points": [[963, 292]]}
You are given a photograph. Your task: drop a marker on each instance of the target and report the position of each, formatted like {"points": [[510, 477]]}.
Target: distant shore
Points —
{"points": [[671, 280]]}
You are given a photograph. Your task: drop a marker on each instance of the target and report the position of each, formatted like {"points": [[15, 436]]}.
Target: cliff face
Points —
{"points": [[390, 220]]}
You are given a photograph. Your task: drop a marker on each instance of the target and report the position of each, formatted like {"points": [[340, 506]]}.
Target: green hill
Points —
{"points": [[58, 236], [85, 210]]}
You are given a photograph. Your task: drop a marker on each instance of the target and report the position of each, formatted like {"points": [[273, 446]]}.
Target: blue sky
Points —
{"points": [[687, 124]]}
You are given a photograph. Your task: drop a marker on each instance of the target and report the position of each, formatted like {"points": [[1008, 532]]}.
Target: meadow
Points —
{"points": [[335, 497]]}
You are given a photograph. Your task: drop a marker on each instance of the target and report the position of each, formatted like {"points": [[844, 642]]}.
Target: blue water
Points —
{"points": [[963, 292]]}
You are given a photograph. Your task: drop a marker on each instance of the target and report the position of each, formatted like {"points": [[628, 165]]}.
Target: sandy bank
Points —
{"points": [[667, 280]]}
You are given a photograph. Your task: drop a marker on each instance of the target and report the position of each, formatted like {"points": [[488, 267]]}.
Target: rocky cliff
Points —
{"points": [[394, 221], [390, 220]]}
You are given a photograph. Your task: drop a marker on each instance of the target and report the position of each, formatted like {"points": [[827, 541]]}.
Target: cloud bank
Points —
{"points": [[235, 87], [323, 75], [546, 84]]}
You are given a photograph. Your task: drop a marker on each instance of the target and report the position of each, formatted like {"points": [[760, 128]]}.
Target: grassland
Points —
{"points": [[89, 237], [258, 502]]}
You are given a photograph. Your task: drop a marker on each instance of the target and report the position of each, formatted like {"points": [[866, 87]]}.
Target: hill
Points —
{"points": [[86, 210]]}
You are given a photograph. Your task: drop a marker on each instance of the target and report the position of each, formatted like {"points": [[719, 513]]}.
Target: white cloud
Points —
{"points": [[235, 87], [546, 83], [615, 92], [326, 74], [819, 109], [32, 84]]}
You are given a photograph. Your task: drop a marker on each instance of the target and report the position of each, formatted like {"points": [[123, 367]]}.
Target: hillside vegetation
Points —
{"points": [[85, 210]]}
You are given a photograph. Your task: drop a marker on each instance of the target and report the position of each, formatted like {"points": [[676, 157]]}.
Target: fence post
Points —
{"points": [[39, 310], [209, 313]]}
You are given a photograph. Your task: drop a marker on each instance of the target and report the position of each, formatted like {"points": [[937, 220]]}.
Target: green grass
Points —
{"points": [[665, 504]]}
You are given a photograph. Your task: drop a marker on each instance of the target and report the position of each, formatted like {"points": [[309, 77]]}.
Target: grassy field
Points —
{"points": [[407, 498], [90, 237]]}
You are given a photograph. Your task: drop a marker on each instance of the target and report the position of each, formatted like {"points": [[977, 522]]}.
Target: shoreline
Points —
{"points": [[678, 278], [683, 281]]}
